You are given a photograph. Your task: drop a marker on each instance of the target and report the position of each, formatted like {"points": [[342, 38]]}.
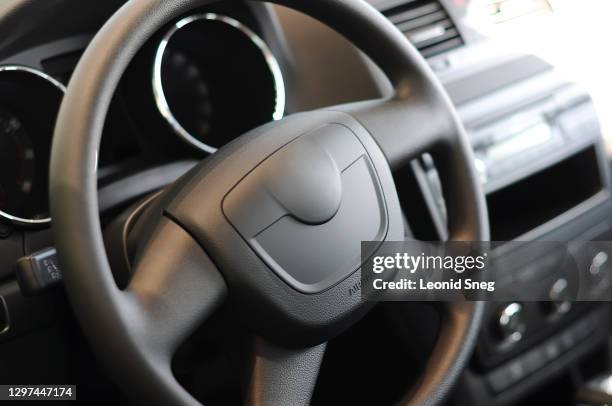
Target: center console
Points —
{"points": [[542, 163], [539, 152]]}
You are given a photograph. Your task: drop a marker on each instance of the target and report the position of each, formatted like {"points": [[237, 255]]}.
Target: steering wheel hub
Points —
{"points": [[305, 209], [283, 213]]}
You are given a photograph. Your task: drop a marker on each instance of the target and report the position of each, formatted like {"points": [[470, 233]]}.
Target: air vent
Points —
{"points": [[427, 25]]}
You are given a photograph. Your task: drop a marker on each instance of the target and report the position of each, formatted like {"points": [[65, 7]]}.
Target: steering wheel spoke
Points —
{"points": [[404, 128], [175, 285], [283, 376], [453, 348]]}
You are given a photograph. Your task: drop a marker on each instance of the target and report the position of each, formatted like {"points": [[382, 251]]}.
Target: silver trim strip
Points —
{"points": [[158, 91], [62, 88]]}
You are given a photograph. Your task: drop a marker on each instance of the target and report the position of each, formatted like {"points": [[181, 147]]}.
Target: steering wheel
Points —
{"points": [[271, 222]]}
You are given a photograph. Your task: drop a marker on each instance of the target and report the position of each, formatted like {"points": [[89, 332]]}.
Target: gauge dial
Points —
{"points": [[29, 102], [187, 86], [18, 166], [215, 79]]}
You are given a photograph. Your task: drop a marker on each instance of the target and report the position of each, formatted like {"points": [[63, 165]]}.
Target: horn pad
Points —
{"points": [[306, 208]]}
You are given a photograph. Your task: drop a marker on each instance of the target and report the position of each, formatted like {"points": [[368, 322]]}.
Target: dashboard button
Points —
{"points": [[599, 265], [500, 379], [552, 350], [559, 296], [517, 370], [535, 359], [510, 323], [567, 340]]}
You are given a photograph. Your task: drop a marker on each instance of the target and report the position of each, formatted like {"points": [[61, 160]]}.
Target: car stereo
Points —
{"points": [[527, 141]]}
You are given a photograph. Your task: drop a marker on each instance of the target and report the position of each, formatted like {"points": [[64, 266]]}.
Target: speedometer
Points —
{"points": [[214, 79], [187, 86]]}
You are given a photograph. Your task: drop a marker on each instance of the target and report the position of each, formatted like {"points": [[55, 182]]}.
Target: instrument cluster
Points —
{"points": [[199, 83]]}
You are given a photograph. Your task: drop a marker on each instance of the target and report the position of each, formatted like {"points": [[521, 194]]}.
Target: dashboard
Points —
{"points": [[531, 130]]}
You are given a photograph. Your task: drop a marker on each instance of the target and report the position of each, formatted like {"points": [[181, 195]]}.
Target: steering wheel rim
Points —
{"points": [[116, 324]]}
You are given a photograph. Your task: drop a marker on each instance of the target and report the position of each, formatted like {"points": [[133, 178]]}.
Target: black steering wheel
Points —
{"points": [[274, 218]]}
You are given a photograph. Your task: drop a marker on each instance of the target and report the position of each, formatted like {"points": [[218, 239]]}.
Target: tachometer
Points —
{"points": [[29, 102], [17, 167]]}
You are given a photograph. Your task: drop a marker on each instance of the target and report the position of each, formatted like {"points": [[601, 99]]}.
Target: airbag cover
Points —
{"points": [[305, 209]]}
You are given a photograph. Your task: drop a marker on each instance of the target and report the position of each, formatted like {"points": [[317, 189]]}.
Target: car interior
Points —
{"points": [[187, 186]]}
